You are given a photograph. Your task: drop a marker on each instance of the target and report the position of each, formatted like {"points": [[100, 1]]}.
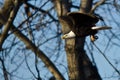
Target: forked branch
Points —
{"points": [[97, 5]]}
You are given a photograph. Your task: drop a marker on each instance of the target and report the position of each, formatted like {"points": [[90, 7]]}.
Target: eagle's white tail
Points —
{"points": [[101, 28]]}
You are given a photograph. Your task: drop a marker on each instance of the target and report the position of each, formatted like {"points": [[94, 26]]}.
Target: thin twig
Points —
{"points": [[41, 10], [29, 66], [36, 67], [107, 59], [4, 70]]}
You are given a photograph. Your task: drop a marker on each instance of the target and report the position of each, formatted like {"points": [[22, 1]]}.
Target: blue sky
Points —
{"points": [[54, 48]]}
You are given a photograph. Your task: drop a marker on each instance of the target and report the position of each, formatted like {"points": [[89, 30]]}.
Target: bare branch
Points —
{"points": [[107, 59], [5, 73], [85, 6], [41, 10], [36, 67], [29, 44], [29, 66], [37, 52], [5, 11], [9, 22], [97, 5], [62, 8]]}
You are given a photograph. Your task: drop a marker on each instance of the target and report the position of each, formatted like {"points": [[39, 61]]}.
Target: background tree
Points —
{"points": [[32, 48]]}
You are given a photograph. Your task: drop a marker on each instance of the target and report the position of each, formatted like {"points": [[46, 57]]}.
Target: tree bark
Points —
{"points": [[62, 8], [26, 41], [38, 53], [86, 70], [12, 14], [79, 65]]}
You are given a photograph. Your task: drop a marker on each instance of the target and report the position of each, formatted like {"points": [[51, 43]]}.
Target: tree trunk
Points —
{"points": [[79, 65]]}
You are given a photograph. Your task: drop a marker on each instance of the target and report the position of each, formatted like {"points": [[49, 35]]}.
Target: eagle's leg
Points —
{"points": [[93, 38]]}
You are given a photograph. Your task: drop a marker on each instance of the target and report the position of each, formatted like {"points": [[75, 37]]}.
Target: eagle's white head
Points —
{"points": [[69, 35]]}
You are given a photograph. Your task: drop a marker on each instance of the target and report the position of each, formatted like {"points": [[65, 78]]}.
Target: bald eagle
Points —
{"points": [[83, 25]]}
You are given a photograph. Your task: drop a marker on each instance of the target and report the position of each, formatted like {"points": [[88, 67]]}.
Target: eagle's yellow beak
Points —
{"points": [[68, 35], [64, 36]]}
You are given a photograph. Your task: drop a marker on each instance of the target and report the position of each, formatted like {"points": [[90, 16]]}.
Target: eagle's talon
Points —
{"points": [[93, 38]]}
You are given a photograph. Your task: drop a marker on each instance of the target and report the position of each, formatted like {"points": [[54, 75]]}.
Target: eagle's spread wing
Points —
{"points": [[83, 25], [82, 18]]}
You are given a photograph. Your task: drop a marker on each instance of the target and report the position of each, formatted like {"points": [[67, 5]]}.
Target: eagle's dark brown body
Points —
{"points": [[82, 23], [83, 31]]}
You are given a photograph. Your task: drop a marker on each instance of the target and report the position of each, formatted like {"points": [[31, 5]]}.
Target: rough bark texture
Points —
{"points": [[72, 58], [79, 65], [85, 6], [86, 70], [62, 8]]}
